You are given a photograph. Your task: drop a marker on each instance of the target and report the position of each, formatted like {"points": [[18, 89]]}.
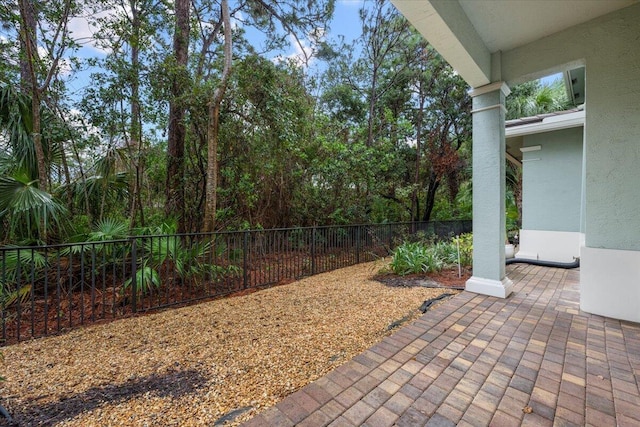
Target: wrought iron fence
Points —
{"points": [[48, 289]]}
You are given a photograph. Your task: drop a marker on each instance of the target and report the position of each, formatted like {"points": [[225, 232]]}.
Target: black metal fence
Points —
{"points": [[48, 289]]}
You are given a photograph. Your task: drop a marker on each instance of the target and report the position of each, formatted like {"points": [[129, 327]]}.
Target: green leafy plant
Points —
{"points": [[146, 279], [30, 210], [465, 241], [108, 229], [420, 257], [18, 265], [412, 258], [103, 231], [189, 258], [187, 261]]}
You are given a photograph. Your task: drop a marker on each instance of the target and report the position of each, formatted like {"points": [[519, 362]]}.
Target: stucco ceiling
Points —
{"points": [[505, 24], [468, 32]]}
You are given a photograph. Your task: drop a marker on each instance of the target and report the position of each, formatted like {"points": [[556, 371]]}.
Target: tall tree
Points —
{"points": [[213, 127], [128, 31], [36, 74], [449, 123], [177, 108], [384, 34], [291, 17]]}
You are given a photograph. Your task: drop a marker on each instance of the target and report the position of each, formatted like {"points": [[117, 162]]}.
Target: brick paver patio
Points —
{"points": [[531, 359]]}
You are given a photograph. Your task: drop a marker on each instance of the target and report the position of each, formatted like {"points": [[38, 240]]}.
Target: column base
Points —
{"points": [[495, 288]]}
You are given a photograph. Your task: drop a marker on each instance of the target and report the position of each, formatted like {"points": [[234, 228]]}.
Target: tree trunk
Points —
{"points": [[28, 30], [67, 178], [212, 128], [432, 188], [175, 146], [415, 205], [30, 83], [373, 99], [135, 133]]}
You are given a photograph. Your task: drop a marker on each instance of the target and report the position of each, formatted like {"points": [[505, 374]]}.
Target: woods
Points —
{"points": [[193, 114]]}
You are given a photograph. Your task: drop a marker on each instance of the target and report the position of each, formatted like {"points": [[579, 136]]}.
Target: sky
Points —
{"points": [[345, 22]]}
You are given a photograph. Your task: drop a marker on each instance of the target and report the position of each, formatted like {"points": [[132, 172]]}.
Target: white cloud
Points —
{"points": [[64, 67], [83, 30], [303, 49], [237, 21], [64, 64], [351, 3], [10, 50]]}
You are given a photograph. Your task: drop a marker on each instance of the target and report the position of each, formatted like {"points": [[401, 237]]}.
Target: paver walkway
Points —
{"points": [[531, 359]]}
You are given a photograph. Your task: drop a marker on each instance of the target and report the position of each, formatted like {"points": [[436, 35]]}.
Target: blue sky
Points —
{"points": [[346, 23], [346, 20]]}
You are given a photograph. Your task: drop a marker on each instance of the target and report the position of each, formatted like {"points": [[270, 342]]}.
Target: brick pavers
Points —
{"points": [[531, 359]]}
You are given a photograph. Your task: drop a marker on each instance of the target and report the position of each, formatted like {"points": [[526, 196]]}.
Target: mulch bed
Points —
{"points": [[214, 363], [449, 278]]}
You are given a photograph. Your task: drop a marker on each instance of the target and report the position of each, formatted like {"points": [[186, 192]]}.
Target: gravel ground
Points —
{"points": [[215, 363]]}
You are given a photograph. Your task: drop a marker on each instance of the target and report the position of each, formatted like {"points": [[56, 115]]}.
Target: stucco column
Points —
{"points": [[489, 192]]}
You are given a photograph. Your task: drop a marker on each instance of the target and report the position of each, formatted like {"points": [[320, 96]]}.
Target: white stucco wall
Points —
{"points": [[557, 246]]}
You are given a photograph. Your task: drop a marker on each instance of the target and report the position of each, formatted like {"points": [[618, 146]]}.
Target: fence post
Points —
{"points": [[245, 249], [358, 229], [313, 251], [134, 274]]}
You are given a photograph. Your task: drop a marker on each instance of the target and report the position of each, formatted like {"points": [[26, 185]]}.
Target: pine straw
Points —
{"points": [[191, 366]]}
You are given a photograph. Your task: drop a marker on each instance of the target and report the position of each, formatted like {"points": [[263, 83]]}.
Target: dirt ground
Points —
{"points": [[215, 363]]}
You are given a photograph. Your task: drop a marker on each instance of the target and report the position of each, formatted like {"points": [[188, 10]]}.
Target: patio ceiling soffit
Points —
{"points": [[492, 40]]}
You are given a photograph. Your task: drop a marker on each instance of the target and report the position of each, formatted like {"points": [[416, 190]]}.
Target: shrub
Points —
{"points": [[413, 257], [409, 258], [466, 249]]}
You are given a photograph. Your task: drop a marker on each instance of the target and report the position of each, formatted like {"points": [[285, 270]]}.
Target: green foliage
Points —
{"points": [[415, 257], [422, 256], [29, 211], [18, 267], [108, 229], [533, 97], [465, 242], [189, 258], [105, 230], [298, 146], [146, 279]]}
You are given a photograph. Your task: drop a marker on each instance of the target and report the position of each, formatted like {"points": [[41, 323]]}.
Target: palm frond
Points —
{"points": [[28, 207], [108, 229]]}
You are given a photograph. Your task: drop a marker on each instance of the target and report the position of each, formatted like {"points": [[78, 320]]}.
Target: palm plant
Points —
{"points": [[104, 230], [532, 98], [189, 258], [16, 128], [103, 185], [28, 210], [15, 125], [18, 266]]}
